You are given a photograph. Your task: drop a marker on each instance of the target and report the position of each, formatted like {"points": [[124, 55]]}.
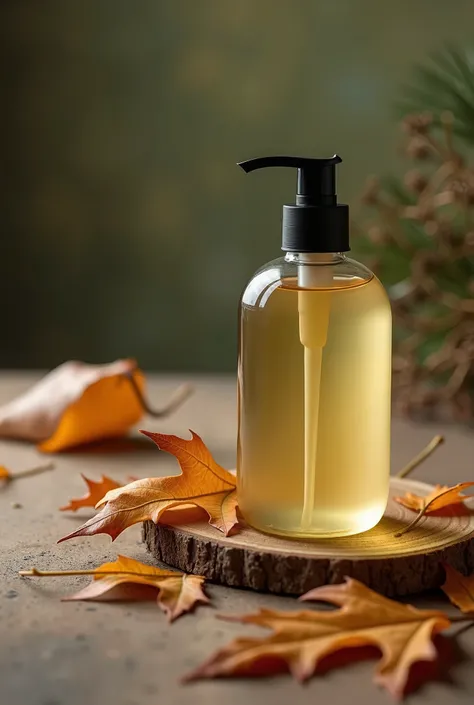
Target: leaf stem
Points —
{"points": [[421, 457], [34, 572], [37, 470], [422, 513], [178, 397]]}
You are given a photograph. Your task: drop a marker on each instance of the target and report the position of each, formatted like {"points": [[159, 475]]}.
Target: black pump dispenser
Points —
{"points": [[316, 222]]}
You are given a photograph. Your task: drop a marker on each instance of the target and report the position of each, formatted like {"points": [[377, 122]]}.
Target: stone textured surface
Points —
{"points": [[59, 653]]}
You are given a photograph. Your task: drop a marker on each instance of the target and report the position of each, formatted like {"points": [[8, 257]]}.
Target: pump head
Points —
{"points": [[316, 222]]}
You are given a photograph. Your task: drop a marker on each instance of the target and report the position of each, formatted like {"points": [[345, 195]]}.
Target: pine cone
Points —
{"points": [[415, 181], [417, 124], [418, 148]]}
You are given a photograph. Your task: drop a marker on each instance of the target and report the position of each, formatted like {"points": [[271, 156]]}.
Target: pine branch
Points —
{"points": [[446, 84]]}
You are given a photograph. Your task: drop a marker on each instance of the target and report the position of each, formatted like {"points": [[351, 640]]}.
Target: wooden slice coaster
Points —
{"points": [[250, 559]]}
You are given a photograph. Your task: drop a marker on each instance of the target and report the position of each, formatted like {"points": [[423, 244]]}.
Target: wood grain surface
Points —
{"points": [[250, 559]]}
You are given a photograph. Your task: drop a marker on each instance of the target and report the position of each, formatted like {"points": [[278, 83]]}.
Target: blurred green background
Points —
{"points": [[126, 228]]}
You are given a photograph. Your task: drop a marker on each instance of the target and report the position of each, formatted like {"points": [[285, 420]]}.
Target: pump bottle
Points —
{"points": [[314, 374]]}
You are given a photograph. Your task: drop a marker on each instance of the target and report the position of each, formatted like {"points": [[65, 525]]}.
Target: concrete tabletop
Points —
{"points": [[84, 653]]}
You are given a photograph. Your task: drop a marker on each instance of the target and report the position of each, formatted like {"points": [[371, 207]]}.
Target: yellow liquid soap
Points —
{"points": [[314, 403]]}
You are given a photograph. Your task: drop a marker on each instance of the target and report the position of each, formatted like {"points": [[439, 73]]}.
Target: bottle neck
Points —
{"points": [[320, 258]]}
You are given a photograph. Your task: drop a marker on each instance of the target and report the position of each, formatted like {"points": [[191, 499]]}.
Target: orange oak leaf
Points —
{"points": [[439, 498], [301, 641], [128, 579], [459, 589], [75, 404], [96, 490], [202, 483]]}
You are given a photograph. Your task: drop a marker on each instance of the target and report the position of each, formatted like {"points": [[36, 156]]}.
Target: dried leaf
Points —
{"points": [[97, 490], [459, 589], [439, 498], [128, 579], [180, 595], [177, 592], [202, 483], [5, 475], [75, 404], [300, 641]]}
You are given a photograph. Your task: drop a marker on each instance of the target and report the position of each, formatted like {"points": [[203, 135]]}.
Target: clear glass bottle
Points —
{"points": [[350, 477], [314, 374]]}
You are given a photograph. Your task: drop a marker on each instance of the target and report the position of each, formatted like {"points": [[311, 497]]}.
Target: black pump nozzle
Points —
{"points": [[316, 184], [316, 223]]}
